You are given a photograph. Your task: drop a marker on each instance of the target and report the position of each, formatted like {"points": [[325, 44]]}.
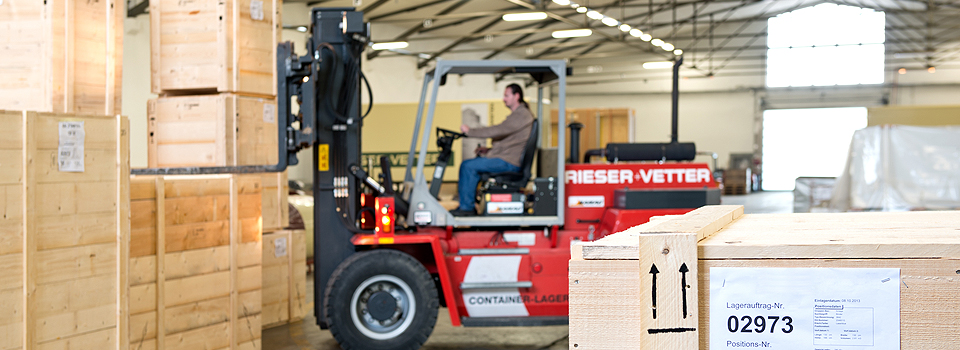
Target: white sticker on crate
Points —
{"points": [[805, 308], [70, 149], [269, 113], [256, 10], [280, 247]]}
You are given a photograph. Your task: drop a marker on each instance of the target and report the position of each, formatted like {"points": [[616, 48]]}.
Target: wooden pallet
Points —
{"points": [[195, 266], [214, 46], [284, 277], [735, 189], [63, 235], [607, 306], [61, 56], [211, 130]]}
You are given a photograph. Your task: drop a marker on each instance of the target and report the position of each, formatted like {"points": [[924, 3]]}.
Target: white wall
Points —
{"points": [[136, 85]]}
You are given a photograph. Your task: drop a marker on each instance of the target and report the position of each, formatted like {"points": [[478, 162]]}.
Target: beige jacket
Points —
{"points": [[509, 137]]}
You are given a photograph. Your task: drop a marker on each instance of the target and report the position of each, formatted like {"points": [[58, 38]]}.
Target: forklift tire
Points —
{"points": [[381, 299]]}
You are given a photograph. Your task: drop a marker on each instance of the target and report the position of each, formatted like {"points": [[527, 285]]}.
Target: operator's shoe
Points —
{"points": [[461, 212]]}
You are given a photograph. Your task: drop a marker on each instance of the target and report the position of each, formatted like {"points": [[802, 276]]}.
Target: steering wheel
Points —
{"points": [[441, 132]]}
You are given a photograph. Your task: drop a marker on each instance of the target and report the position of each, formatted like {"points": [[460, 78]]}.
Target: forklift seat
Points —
{"points": [[510, 182]]}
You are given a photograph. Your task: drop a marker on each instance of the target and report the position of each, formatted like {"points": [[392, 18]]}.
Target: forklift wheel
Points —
{"points": [[382, 299]]}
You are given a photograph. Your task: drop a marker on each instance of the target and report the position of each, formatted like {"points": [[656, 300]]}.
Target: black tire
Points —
{"points": [[381, 299]]}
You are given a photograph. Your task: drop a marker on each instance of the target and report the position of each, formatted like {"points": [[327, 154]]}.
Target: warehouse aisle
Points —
{"points": [[306, 335]]}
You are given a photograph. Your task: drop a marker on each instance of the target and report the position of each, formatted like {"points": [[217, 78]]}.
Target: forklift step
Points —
{"points": [[495, 285], [533, 321], [495, 251]]}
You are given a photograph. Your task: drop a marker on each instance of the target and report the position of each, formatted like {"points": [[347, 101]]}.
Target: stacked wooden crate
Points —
{"points": [[64, 230], [213, 63], [61, 56], [195, 267], [284, 277], [609, 289]]}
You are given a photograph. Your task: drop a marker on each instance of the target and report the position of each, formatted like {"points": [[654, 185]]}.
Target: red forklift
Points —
{"points": [[388, 256]]}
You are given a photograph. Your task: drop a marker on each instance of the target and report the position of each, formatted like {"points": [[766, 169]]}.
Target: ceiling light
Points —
{"points": [[528, 16], [657, 65], [594, 15], [562, 2], [572, 33], [678, 52], [667, 47], [902, 71], [657, 42], [302, 29], [932, 69], [610, 22], [624, 27], [635, 32], [574, 5], [581, 9], [645, 37], [390, 45]]}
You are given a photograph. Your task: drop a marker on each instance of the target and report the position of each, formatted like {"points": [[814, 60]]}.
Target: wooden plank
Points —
{"points": [[590, 315], [197, 262], [250, 303], [196, 288], [192, 210], [249, 329], [143, 270], [210, 337], [143, 327], [197, 236], [11, 322], [249, 254], [143, 298], [102, 339], [30, 259], [197, 315], [668, 289], [160, 187], [75, 262], [122, 222], [235, 278]]}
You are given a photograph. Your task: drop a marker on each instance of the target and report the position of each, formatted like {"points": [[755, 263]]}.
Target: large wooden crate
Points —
{"points": [[195, 266], [214, 46], [284, 277], [63, 235], [211, 130], [605, 277], [61, 56]]}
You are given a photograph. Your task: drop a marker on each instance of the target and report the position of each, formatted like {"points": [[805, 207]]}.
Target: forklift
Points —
{"points": [[388, 255]]}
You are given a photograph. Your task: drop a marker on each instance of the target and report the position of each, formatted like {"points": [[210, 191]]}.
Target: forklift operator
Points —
{"points": [[509, 139]]}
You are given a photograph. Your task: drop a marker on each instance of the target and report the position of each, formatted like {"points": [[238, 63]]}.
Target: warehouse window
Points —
{"points": [[807, 142], [827, 44]]}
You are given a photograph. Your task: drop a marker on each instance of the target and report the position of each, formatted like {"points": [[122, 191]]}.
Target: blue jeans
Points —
{"points": [[470, 171]]}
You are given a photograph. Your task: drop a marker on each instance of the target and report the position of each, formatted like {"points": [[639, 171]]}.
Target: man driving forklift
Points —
{"points": [[509, 139]]}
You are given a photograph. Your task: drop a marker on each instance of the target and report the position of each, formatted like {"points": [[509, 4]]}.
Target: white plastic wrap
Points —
{"points": [[897, 168], [813, 194]]}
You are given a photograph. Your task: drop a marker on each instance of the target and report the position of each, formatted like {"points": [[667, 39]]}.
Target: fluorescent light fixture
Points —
{"points": [[657, 65], [645, 37], [572, 33], [562, 2], [657, 42], [390, 45], [528, 16], [574, 5], [610, 22], [302, 29], [624, 27], [594, 15], [667, 47], [636, 33], [581, 9], [678, 52]]}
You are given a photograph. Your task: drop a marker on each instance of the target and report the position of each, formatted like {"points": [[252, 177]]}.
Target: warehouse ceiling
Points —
{"points": [[718, 38]]}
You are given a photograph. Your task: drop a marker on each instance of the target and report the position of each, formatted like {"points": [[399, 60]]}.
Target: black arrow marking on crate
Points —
{"points": [[654, 272], [683, 286]]}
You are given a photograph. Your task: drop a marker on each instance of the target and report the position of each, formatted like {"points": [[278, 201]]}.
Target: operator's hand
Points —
{"points": [[481, 151], [464, 128]]}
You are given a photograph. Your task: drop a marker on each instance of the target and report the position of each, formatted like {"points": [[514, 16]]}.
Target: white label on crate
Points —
{"points": [[280, 247], [269, 113], [804, 308], [585, 202], [70, 149], [256, 10], [504, 207]]}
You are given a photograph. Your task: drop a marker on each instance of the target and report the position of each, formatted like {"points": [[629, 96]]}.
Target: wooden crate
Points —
{"points": [[63, 235], [284, 277], [276, 211], [606, 305], [61, 56], [214, 46], [195, 262], [211, 130]]}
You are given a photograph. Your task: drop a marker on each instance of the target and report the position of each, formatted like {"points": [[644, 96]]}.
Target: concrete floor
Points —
{"points": [[306, 335]]}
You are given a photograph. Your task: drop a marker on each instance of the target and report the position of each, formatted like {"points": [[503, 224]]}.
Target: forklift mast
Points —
{"points": [[326, 83]]}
